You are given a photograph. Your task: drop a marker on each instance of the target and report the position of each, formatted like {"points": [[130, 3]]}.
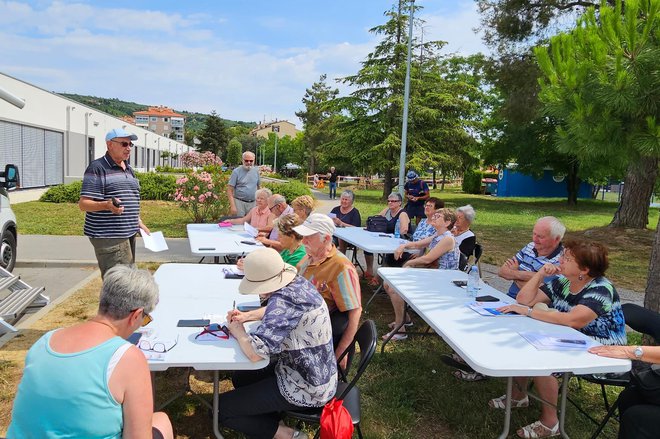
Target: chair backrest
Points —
{"points": [[642, 320], [365, 338], [478, 251]]}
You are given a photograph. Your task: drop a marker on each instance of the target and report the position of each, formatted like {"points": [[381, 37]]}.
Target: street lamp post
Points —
{"points": [[406, 97], [276, 130]]}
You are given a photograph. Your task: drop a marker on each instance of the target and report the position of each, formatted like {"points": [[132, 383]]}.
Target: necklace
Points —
{"points": [[105, 324]]}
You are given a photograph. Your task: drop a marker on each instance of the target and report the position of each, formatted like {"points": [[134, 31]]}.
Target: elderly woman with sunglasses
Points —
{"points": [[442, 252], [585, 300], [295, 333], [393, 212], [87, 380]]}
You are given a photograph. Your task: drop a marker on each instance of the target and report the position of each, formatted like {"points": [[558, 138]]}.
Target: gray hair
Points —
{"points": [[468, 212], [126, 289], [349, 193], [248, 154], [557, 229], [396, 195], [278, 199], [264, 191]]}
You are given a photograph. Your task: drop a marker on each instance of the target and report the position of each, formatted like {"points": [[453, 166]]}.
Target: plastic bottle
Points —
{"points": [[397, 234], [473, 281]]}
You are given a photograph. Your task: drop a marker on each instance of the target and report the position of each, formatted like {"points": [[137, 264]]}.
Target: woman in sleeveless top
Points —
{"points": [[87, 380], [442, 253], [393, 212]]}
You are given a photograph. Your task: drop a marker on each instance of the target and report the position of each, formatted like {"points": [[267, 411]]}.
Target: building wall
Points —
{"points": [[286, 129], [516, 184], [77, 124]]}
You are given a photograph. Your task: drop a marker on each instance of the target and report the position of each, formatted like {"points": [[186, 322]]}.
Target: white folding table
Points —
{"points": [[213, 240], [372, 242], [190, 291], [492, 345]]}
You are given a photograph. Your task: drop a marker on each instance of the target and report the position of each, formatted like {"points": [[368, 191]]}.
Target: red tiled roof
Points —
{"points": [[158, 111]]}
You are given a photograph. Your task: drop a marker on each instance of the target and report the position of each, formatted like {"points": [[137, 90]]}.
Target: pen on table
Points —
{"points": [[566, 340], [206, 248]]}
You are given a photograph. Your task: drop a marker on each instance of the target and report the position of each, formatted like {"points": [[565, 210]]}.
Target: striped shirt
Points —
{"points": [[529, 260], [105, 179], [336, 279]]}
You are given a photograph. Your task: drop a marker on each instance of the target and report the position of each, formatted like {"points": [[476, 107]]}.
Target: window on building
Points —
{"points": [[154, 119], [165, 119]]}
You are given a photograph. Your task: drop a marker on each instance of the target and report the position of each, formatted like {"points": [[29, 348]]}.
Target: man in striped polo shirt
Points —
{"points": [[545, 248], [110, 196]]}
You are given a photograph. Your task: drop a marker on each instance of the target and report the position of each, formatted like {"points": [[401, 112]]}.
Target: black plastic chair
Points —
{"points": [[347, 390], [642, 320]]}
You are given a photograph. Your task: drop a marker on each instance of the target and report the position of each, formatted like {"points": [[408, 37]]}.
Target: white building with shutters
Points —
{"points": [[52, 139]]}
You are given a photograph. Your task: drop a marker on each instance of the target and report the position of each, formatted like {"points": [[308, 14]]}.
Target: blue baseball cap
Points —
{"points": [[411, 175], [120, 132]]}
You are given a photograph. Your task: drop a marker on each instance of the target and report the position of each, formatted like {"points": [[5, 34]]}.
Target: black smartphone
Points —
{"points": [[115, 202], [487, 299], [135, 337], [193, 323], [249, 242], [246, 308], [460, 283], [234, 276]]}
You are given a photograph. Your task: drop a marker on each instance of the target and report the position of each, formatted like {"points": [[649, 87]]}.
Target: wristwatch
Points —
{"points": [[638, 352]]}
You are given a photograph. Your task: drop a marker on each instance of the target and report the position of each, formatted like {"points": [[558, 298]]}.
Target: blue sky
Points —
{"points": [[245, 59]]}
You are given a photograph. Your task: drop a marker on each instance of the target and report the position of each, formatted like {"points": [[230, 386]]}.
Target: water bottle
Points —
{"points": [[397, 234], [473, 281]]}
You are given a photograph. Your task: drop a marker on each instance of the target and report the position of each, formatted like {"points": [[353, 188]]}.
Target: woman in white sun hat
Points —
{"points": [[295, 333]]}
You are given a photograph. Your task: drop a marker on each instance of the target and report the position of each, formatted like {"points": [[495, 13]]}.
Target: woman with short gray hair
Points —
{"points": [[464, 237], [110, 383], [345, 215]]}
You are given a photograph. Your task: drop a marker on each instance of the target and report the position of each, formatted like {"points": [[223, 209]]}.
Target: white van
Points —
{"points": [[8, 181]]}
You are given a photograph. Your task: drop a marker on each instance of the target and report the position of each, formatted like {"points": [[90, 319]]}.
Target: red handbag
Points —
{"points": [[336, 421]]}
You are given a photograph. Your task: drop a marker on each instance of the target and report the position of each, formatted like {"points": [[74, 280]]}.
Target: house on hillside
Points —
{"points": [[161, 120], [281, 128]]}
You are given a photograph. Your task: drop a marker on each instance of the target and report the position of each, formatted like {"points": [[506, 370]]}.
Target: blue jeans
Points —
{"points": [[333, 189]]}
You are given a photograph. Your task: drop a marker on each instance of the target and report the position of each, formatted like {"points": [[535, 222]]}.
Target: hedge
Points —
{"points": [[292, 189], [152, 187]]}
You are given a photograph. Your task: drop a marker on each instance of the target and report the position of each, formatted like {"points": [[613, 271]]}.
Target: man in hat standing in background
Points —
{"points": [[110, 198], [417, 192]]}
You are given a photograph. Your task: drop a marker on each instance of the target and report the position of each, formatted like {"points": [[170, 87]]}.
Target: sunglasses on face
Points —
{"points": [[248, 161], [392, 201], [146, 318], [124, 144]]}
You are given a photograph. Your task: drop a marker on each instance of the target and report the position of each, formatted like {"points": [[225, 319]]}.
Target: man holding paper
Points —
{"points": [[110, 198]]}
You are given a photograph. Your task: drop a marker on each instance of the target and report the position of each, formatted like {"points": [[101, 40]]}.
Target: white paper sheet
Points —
{"points": [[154, 242], [251, 230], [547, 341], [332, 215]]}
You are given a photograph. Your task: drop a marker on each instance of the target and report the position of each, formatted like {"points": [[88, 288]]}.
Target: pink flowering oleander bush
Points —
{"points": [[203, 195], [199, 159]]}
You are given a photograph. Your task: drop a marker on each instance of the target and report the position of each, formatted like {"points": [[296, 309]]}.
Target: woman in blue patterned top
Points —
{"points": [[296, 334], [586, 301]]}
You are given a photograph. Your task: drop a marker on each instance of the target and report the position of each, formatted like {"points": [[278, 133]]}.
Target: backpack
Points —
{"points": [[377, 223], [336, 422]]}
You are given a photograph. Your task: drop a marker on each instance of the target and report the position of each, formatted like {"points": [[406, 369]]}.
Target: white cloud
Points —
{"points": [[456, 28]]}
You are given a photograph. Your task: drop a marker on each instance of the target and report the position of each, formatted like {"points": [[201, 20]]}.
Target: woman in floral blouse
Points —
{"points": [[295, 333]]}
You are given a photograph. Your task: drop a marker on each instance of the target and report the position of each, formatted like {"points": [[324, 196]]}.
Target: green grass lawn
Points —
{"points": [[503, 225]]}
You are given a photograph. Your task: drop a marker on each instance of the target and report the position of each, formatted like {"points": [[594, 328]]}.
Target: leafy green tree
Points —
{"points": [[251, 143], [318, 119], [214, 136], [234, 152], [602, 81], [440, 109]]}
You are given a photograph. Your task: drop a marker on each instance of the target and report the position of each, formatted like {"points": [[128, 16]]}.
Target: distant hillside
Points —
{"points": [[194, 121]]}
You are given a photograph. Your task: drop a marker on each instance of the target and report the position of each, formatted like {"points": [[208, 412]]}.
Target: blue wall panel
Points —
{"points": [[516, 184]]}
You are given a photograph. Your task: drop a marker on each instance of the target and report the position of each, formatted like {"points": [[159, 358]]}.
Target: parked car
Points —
{"points": [[8, 180]]}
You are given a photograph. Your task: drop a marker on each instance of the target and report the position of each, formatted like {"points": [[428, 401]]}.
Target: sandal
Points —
{"points": [[469, 376], [500, 403], [393, 324], [396, 337], [537, 430]]}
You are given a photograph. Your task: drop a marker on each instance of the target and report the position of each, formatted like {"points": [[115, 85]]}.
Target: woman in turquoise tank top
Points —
{"points": [[87, 380]]}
